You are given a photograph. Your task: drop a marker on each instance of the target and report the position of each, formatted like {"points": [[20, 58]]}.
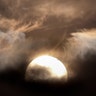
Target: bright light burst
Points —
{"points": [[55, 66]]}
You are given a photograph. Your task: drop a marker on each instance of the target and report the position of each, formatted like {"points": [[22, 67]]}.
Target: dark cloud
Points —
{"points": [[36, 73]]}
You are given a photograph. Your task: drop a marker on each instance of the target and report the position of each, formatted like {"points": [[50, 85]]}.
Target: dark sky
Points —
{"points": [[63, 28]]}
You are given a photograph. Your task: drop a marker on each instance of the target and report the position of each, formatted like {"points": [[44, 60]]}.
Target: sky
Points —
{"points": [[65, 29]]}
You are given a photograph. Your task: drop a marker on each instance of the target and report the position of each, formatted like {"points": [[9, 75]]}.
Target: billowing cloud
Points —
{"points": [[11, 49], [49, 24]]}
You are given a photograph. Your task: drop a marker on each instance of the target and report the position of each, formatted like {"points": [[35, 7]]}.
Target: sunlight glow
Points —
{"points": [[55, 66]]}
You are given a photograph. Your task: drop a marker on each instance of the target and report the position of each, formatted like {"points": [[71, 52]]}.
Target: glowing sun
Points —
{"points": [[54, 66]]}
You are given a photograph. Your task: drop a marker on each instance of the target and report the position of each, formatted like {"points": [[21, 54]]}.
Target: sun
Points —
{"points": [[51, 64]]}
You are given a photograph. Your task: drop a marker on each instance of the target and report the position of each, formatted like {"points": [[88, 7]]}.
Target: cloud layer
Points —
{"points": [[28, 26]]}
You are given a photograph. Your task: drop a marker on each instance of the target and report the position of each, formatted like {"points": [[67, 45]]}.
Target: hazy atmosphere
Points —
{"points": [[64, 29]]}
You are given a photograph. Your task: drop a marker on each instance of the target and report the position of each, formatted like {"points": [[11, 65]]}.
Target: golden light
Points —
{"points": [[51, 64]]}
